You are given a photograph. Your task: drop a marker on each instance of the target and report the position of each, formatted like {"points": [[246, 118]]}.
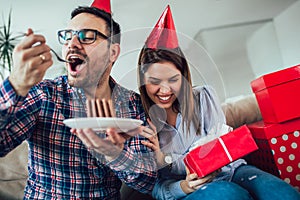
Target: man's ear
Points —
{"points": [[114, 52]]}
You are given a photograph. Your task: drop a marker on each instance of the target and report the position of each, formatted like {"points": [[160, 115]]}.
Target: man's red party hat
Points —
{"points": [[102, 4], [164, 34]]}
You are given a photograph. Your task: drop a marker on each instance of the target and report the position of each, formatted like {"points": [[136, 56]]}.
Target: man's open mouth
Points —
{"points": [[75, 63]]}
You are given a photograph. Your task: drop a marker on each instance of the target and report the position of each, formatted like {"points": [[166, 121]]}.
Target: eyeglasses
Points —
{"points": [[85, 36]]}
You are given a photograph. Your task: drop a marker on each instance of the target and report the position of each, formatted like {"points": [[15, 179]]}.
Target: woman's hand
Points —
{"points": [[193, 182], [153, 143]]}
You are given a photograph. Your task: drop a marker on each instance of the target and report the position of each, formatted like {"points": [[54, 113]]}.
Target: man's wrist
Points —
{"points": [[113, 157], [21, 91]]}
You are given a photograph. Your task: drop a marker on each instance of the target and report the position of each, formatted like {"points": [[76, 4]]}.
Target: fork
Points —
{"points": [[59, 58], [56, 55], [100, 108]]}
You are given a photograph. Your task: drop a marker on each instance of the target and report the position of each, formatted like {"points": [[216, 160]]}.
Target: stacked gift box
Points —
{"points": [[277, 135]]}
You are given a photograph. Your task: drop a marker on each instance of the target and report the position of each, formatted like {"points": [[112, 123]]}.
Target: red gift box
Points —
{"points": [[277, 95], [219, 152], [279, 149]]}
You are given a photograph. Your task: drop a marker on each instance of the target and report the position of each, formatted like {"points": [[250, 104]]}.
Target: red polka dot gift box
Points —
{"points": [[213, 155], [279, 149], [278, 95]]}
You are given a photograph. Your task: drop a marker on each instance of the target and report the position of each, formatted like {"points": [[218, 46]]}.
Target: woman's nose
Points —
{"points": [[164, 88]]}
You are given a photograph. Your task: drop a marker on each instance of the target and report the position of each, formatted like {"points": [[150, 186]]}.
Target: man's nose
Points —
{"points": [[74, 42]]}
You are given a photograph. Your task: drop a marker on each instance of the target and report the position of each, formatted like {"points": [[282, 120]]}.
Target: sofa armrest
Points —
{"points": [[243, 111], [14, 173]]}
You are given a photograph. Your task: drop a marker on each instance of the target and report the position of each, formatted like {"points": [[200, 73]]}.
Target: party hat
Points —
{"points": [[164, 34], [102, 5]]}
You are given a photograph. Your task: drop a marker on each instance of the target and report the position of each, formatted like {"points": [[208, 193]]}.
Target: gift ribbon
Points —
{"points": [[225, 149]]}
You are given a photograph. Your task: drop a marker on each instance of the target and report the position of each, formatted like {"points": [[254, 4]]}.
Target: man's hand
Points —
{"points": [[110, 146], [31, 58]]}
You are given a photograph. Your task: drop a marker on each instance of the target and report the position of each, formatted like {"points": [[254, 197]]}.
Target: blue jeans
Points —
{"points": [[262, 185], [248, 183], [220, 190]]}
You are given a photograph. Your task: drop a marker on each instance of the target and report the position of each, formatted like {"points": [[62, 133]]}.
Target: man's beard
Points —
{"points": [[91, 80]]}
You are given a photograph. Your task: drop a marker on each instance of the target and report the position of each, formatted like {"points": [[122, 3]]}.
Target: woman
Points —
{"points": [[181, 115]]}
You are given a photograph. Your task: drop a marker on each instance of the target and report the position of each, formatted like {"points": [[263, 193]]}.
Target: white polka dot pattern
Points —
{"points": [[282, 149], [285, 137], [273, 141], [294, 145], [279, 155], [292, 157], [287, 154]]}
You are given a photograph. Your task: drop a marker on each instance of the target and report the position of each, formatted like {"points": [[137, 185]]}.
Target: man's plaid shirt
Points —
{"points": [[60, 166]]}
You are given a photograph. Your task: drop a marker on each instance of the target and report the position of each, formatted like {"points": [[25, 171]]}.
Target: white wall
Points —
{"points": [[263, 50], [287, 26], [227, 47], [276, 45]]}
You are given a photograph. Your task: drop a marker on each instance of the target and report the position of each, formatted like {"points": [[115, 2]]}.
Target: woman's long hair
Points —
{"points": [[185, 102]]}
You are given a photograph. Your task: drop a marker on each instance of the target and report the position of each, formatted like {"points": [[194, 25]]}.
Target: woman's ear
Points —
{"points": [[114, 52]]}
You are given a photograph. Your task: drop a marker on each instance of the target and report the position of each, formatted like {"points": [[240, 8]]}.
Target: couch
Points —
{"points": [[13, 167]]}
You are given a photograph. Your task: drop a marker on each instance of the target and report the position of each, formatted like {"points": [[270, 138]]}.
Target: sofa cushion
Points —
{"points": [[13, 173], [242, 111]]}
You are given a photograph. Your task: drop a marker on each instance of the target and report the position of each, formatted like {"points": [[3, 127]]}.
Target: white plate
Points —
{"points": [[102, 123]]}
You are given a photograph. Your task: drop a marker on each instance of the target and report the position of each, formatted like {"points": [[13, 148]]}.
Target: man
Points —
{"points": [[60, 166]]}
